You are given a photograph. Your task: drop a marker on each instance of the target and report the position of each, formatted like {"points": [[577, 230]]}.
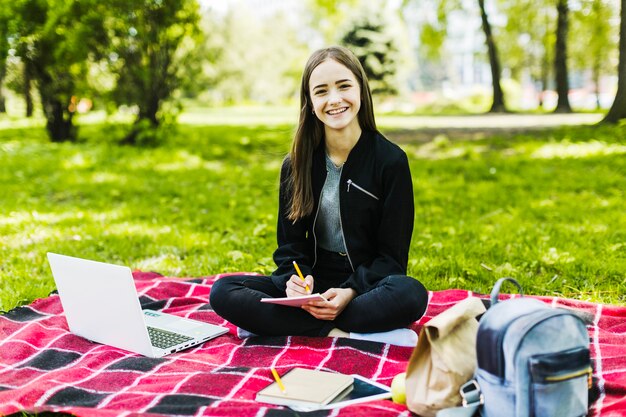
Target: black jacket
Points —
{"points": [[376, 205]]}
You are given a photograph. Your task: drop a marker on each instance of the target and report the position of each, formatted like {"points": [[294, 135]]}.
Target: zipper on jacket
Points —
{"points": [[355, 185], [343, 237], [315, 221], [344, 240]]}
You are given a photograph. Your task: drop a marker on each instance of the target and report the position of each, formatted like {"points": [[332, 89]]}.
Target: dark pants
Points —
{"points": [[397, 301]]}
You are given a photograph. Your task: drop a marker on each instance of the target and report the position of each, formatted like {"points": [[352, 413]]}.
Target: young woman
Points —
{"points": [[345, 216]]}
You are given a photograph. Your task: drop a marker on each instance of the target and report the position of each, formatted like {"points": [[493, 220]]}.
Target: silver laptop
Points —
{"points": [[101, 304]]}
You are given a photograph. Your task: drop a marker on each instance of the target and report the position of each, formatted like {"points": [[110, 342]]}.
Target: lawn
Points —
{"points": [[547, 209]]}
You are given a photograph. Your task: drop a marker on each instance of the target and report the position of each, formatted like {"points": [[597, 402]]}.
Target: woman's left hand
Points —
{"points": [[338, 300]]}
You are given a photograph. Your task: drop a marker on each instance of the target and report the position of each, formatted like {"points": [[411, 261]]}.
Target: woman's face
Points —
{"points": [[335, 95]]}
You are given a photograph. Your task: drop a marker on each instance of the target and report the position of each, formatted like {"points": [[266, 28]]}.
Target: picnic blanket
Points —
{"points": [[43, 367]]}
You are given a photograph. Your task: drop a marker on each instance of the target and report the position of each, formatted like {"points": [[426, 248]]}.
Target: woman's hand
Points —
{"points": [[338, 300], [297, 288]]}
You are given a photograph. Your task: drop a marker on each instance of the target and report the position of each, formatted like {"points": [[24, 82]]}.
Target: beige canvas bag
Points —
{"points": [[444, 359]]}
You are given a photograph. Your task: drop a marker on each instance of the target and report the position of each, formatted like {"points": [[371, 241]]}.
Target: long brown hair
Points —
{"points": [[310, 130]]}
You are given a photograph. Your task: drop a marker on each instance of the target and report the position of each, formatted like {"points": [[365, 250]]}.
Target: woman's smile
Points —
{"points": [[334, 112]]}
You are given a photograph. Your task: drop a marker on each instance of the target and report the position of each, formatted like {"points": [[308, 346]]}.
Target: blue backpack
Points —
{"points": [[533, 361]]}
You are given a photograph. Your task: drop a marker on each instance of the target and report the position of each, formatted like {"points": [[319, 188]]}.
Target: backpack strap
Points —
{"points": [[472, 400], [496, 288]]}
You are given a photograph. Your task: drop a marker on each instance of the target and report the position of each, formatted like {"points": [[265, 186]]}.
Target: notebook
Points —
{"points": [[306, 388], [101, 304], [294, 301]]}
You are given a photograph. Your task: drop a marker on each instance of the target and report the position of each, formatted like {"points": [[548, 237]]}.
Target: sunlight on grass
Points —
{"points": [[566, 149], [441, 147], [108, 178], [163, 262], [241, 116], [78, 160], [554, 256], [21, 122], [34, 237], [185, 161], [18, 218]]}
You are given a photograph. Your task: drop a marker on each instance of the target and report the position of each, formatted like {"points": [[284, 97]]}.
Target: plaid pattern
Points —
{"points": [[43, 367]]}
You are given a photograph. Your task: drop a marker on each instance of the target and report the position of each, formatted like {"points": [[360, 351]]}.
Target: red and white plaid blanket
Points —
{"points": [[43, 367]]}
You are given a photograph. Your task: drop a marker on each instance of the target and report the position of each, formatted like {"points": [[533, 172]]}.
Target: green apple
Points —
{"points": [[398, 389]]}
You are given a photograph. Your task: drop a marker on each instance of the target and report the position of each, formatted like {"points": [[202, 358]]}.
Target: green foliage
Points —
{"points": [[57, 39], [527, 39], [326, 15], [148, 52], [369, 37], [593, 36], [546, 208], [269, 72], [433, 28]]}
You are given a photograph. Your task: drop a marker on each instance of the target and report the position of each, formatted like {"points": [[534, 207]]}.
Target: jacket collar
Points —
{"points": [[365, 142]]}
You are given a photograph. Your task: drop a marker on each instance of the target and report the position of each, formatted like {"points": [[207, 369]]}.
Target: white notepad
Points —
{"points": [[294, 301]]}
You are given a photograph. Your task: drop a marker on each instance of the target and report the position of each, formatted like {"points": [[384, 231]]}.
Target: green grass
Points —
{"points": [[546, 208]]}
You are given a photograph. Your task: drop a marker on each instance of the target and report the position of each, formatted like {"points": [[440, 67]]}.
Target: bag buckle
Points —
{"points": [[471, 395]]}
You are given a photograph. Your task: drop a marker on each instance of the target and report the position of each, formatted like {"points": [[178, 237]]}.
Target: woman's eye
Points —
{"points": [[345, 86], [319, 92]]}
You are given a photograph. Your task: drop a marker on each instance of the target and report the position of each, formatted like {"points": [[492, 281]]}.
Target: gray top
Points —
{"points": [[328, 224]]}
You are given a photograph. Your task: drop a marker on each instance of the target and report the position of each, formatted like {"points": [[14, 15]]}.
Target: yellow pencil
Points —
{"points": [[301, 276], [278, 381]]}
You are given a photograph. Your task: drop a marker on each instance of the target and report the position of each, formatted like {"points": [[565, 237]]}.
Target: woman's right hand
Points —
{"points": [[297, 288]]}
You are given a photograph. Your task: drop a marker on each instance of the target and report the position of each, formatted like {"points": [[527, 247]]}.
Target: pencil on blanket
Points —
{"points": [[301, 276], [278, 381]]}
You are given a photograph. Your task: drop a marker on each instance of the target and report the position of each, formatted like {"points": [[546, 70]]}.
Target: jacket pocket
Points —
{"points": [[363, 190], [560, 383]]}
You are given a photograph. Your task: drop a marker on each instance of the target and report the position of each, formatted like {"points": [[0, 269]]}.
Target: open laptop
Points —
{"points": [[101, 304]]}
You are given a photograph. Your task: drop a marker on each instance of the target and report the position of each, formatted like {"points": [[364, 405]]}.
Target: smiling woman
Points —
{"points": [[345, 216]]}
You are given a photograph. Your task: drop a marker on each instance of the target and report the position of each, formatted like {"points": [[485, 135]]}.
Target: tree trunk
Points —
{"points": [[618, 109], [147, 113], [596, 82], [545, 68], [60, 128], [3, 107], [560, 59], [58, 118], [28, 96], [498, 95]]}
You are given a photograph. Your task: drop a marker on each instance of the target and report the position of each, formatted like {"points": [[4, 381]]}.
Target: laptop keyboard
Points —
{"points": [[164, 339]]}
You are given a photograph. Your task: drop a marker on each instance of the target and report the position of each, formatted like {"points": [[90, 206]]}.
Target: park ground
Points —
{"points": [[536, 197]]}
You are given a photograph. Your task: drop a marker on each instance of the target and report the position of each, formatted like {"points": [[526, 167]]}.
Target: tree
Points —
{"points": [[618, 109], [4, 50], [494, 61], [560, 58], [435, 32], [151, 39], [375, 47], [228, 57], [55, 39], [326, 15], [594, 48], [527, 40]]}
